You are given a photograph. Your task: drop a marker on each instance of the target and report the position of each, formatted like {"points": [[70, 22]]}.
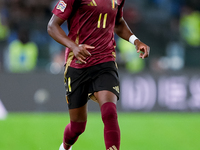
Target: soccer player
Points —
{"points": [[90, 69]]}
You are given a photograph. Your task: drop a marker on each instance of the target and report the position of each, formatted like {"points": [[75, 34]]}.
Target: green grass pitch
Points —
{"points": [[139, 131]]}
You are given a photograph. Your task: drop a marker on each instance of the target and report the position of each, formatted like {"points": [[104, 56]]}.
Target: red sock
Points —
{"points": [[111, 127], [72, 132]]}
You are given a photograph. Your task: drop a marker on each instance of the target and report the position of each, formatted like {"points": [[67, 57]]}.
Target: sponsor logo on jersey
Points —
{"points": [[116, 88], [61, 6], [92, 3]]}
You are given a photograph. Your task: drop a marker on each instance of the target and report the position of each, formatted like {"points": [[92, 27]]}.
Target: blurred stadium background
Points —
{"points": [[33, 111]]}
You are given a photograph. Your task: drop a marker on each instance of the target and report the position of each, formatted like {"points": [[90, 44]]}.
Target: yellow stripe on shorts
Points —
{"points": [[69, 84]]}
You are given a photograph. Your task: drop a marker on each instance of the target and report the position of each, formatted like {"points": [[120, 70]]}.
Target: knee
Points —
{"points": [[78, 127], [108, 111]]}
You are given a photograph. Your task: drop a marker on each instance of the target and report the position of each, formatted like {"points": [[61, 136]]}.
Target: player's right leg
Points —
{"points": [[78, 119], [77, 86]]}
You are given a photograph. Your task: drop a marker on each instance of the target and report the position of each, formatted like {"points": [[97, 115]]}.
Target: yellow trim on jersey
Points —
{"points": [[77, 38], [69, 60], [71, 55], [113, 3], [114, 54]]}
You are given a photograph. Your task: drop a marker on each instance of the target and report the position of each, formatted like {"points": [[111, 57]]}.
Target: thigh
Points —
{"points": [[78, 114], [106, 80], [105, 96], [77, 87]]}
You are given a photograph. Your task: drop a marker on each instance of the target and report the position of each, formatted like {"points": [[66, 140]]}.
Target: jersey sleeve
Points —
{"points": [[63, 9], [120, 10]]}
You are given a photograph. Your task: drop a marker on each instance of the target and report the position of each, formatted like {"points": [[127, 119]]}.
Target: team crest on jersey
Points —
{"points": [[114, 4], [61, 6]]}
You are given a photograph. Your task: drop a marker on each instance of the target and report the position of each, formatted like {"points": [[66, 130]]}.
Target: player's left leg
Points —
{"points": [[107, 102]]}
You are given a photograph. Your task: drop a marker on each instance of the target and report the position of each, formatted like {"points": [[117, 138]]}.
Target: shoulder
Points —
{"points": [[64, 8]]}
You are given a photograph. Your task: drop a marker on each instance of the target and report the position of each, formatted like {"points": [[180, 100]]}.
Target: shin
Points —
{"points": [[72, 132], [111, 127]]}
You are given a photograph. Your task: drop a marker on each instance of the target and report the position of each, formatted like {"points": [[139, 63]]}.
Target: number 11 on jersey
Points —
{"points": [[104, 20]]}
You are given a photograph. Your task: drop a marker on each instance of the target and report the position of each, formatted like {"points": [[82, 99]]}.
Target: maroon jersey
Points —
{"points": [[91, 22]]}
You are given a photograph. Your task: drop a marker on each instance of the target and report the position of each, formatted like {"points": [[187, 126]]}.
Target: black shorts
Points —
{"points": [[81, 84]]}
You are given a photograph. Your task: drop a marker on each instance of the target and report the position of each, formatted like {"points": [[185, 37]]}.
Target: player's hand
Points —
{"points": [[81, 52], [143, 48]]}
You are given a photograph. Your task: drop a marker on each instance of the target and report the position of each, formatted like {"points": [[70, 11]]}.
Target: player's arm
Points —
{"points": [[123, 31], [57, 33]]}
